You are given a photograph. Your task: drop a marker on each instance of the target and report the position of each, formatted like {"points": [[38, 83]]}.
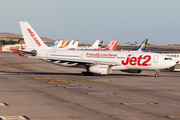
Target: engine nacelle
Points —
{"points": [[132, 71], [101, 69]]}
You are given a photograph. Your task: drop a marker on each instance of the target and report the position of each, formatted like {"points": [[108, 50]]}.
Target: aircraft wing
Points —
{"points": [[81, 61]]}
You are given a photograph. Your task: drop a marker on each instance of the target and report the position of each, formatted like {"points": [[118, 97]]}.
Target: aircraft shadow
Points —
{"points": [[60, 73]]}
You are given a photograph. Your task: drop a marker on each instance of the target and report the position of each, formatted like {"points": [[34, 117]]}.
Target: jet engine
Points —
{"points": [[101, 69], [132, 71]]}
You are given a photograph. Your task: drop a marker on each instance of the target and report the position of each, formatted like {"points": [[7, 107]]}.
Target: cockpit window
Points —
{"points": [[167, 59]]}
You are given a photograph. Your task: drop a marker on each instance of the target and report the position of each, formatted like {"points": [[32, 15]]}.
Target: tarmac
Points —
{"points": [[32, 89]]}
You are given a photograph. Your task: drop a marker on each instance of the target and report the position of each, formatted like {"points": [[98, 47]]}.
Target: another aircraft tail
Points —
{"points": [[100, 44], [59, 44], [112, 45], [70, 44], [32, 40], [75, 45], [95, 45], [142, 47], [64, 44], [55, 43]]}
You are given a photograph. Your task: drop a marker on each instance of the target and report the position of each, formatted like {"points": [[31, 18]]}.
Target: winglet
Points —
{"points": [[20, 54]]}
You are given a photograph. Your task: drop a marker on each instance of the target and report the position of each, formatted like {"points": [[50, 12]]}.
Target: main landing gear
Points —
{"points": [[88, 73], [157, 75]]}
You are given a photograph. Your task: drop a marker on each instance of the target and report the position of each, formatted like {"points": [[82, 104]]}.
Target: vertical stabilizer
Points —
{"points": [[100, 44], [59, 44], [70, 44], [112, 45], [142, 47], [75, 45], [32, 40], [57, 41], [95, 45], [109, 45], [64, 44]]}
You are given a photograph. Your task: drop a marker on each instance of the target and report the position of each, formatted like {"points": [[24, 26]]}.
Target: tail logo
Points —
{"points": [[33, 36], [143, 45]]}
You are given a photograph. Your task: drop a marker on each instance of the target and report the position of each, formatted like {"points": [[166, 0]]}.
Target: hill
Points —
{"points": [[16, 37]]}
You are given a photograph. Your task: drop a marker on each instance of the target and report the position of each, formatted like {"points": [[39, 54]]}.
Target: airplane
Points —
{"points": [[111, 46], [94, 46], [59, 44], [64, 44], [174, 56], [100, 44], [55, 43], [142, 46], [75, 45], [70, 44], [100, 62]]}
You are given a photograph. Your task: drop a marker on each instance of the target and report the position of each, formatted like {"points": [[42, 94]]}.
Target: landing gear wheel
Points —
{"points": [[156, 75], [82, 74]]}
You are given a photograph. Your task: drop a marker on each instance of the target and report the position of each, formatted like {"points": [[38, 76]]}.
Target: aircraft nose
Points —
{"points": [[172, 63]]}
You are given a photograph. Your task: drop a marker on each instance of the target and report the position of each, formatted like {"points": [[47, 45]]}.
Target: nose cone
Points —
{"points": [[170, 63]]}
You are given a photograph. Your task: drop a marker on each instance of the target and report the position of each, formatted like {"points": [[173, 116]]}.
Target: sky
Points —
{"points": [[91, 20]]}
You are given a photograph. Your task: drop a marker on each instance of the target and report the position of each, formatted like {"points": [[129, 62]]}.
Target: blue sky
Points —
{"points": [[89, 20]]}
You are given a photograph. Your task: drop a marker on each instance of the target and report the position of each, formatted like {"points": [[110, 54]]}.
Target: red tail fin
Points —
{"points": [[112, 45], [20, 54]]}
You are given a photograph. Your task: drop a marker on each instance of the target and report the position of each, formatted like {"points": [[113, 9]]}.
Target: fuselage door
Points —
{"points": [[155, 59], [49, 54], [81, 56]]}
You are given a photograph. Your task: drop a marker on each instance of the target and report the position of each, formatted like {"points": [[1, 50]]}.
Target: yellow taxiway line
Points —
{"points": [[81, 80], [67, 85], [77, 87], [99, 93], [173, 116], [57, 82], [42, 77], [138, 103]]}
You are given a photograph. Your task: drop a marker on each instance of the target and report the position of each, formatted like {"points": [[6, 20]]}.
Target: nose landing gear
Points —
{"points": [[157, 75]]}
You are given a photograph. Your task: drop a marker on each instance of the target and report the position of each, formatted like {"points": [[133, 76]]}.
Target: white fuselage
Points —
{"points": [[174, 56], [119, 60]]}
